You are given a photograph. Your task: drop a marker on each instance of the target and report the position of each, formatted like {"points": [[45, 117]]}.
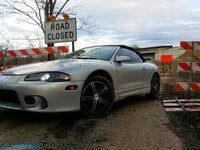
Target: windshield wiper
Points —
{"points": [[86, 58]]}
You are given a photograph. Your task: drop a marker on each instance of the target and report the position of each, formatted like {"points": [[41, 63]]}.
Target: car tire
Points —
{"points": [[155, 88], [97, 97]]}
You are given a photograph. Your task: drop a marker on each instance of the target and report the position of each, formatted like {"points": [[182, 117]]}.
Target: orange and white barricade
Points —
{"points": [[186, 104], [32, 51]]}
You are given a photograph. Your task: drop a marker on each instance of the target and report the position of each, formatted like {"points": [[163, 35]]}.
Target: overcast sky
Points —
{"points": [[132, 22]]}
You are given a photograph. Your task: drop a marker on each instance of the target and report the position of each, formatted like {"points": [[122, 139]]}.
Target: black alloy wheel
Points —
{"points": [[155, 87], [97, 97]]}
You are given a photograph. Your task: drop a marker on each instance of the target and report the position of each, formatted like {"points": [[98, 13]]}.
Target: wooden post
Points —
{"points": [[191, 64], [73, 46], [50, 56], [163, 68], [170, 69]]}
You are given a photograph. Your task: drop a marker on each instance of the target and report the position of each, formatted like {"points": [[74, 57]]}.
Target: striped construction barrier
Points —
{"points": [[184, 86], [182, 105], [34, 51], [7, 67], [185, 66], [191, 67], [188, 45]]}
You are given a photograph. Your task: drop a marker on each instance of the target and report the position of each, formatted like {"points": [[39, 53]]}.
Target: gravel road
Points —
{"points": [[134, 123]]}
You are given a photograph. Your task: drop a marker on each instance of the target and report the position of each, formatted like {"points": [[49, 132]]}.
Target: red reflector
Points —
{"points": [[71, 87]]}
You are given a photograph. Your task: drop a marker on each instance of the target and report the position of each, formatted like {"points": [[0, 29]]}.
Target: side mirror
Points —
{"points": [[123, 59]]}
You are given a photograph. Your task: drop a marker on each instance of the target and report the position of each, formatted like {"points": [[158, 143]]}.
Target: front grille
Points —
{"points": [[9, 96]]}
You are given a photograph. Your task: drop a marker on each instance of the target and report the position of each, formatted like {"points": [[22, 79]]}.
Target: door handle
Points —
{"points": [[143, 68]]}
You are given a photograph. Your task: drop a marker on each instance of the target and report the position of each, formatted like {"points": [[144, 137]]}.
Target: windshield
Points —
{"points": [[98, 52]]}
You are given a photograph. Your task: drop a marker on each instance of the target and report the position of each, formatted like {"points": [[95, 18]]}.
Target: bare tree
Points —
{"points": [[3, 46], [36, 12], [8, 44]]}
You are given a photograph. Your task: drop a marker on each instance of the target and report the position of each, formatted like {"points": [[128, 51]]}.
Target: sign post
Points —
{"points": [[166, 59]]}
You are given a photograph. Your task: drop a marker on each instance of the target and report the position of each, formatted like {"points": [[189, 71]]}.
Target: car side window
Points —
{"points": [[134, 58]]}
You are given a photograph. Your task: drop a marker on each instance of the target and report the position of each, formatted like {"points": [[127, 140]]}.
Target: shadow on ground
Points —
{"points": [[30, 117]]}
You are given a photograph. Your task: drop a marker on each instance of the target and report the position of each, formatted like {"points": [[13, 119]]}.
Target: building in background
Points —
{"points": [[153, 53]]}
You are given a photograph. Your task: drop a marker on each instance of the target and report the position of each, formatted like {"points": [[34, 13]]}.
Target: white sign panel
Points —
{"points": [[60, 31]]}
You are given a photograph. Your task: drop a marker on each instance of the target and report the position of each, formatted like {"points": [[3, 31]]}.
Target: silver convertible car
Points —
{"points": [[89, 80]]}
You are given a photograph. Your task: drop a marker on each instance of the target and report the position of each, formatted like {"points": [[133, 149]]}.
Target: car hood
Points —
{"points": [[57, 65]]}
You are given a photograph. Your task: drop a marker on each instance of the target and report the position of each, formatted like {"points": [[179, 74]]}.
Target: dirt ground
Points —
{"points": [[186, 125], [134, 123]]}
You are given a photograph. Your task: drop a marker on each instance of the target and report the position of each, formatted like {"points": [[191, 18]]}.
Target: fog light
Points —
{"points": [[29, 100], [44, 103]]}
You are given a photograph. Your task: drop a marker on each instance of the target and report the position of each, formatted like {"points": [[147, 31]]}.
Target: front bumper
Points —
{"points": [[49, 96]]}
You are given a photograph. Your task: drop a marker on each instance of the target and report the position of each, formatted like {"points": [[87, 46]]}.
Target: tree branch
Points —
{"points": [[40, 15], [39, 11], [7, 40]]}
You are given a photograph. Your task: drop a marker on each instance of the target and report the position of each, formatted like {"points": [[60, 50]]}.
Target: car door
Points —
{"points": [[131, 74]]}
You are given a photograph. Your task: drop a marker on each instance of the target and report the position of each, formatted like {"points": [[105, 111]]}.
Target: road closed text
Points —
{"points": [[62, 35], [60, 31]]}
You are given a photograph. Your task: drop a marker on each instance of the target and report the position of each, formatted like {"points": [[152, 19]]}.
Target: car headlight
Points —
{"points": [[48, 76]]}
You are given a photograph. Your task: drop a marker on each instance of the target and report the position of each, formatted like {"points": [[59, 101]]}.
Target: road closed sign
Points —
{"points": [[60, 31]]}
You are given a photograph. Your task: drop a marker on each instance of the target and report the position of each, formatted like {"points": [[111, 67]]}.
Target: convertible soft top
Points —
{"points": [[123, 46]]}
